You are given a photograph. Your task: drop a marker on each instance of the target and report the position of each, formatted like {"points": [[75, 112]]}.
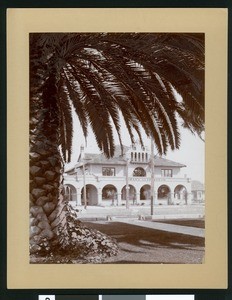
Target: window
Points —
{"points": [[166, 172], [108, 171], [140, 172]]}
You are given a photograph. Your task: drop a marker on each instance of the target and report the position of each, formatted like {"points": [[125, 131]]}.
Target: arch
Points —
{"points": [[91, 195], [145, 192], [132, 192], [180, 192], [109, 192], [164, 192], [139, 172], [70, 192]]}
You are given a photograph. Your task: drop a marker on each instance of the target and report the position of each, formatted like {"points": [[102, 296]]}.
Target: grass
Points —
{"points": [[140, 245], [199, 223], [143, 245]]}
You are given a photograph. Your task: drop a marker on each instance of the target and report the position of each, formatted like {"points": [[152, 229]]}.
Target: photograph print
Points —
{"points": [[117, 148]]}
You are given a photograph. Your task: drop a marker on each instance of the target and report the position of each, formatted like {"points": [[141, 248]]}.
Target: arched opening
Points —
{"points": [[91, 195], [132, 193], [164, 192], [139, 172], [109, 193], [180, 193], [145, 192], [70, 192]]}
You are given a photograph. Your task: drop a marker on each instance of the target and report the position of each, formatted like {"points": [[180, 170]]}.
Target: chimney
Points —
{"points": [[82, 153]]}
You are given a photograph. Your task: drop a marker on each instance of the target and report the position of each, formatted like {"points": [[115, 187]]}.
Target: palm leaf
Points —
{"points": [[101, 74]]}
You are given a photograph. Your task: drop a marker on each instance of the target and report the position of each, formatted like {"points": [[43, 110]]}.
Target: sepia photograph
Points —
{"points": [[116, 160], [117, 150]]}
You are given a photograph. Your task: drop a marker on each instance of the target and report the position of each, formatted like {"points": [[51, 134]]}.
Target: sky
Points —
{"points": [[191, 152]]}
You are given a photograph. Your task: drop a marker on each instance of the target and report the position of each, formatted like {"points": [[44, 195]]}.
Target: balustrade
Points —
{"points": [[92, 177]]}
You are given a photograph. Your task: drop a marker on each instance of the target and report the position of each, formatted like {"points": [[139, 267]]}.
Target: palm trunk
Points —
{"points": [[53, 224], [47, 209]]}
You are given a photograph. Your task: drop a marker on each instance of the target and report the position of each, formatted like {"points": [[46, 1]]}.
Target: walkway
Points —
{"points": [[193, 231], [160, 212], [140, 242], [132, 217]]}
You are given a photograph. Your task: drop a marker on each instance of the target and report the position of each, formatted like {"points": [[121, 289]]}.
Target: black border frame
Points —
{"points": [[32, 294]]}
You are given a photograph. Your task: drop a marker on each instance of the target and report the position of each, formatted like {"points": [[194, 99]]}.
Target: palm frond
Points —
{"points": [[101, 74]]}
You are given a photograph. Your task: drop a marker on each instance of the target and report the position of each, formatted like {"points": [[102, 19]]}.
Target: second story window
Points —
{"points": [[140, 172], [108, 171], [166, 172]]}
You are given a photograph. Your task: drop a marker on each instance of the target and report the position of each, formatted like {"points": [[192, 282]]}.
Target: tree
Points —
{"points": [[99, 76]]}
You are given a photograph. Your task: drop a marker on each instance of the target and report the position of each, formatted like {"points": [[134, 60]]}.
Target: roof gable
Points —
{"points": [[197, 186], [163, 162], [119, 159]]}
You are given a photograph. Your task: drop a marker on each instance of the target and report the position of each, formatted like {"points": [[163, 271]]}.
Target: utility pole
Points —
{"points": [[82, 157], [152, 176], [127, 183], [84, 188]]}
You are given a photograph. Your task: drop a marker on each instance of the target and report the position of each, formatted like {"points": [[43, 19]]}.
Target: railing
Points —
{"points": [[93, 177]]}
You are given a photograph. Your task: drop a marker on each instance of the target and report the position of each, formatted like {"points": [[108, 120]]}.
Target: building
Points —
{"points": [[126, 179], [198, 191]]}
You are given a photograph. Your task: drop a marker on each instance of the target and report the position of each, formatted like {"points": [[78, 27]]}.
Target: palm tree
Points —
{"points": [[99, 76]]}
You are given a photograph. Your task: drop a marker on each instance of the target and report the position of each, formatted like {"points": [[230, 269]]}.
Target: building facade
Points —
{"points": [[198, 191], [125, 179]]}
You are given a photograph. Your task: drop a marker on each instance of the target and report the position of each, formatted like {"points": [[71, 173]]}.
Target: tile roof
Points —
{"points": [[197, 186], [163, 162], [118, 158]]}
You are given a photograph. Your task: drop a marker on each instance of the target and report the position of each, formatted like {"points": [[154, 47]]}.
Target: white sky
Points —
{"points": [[191, 152]]}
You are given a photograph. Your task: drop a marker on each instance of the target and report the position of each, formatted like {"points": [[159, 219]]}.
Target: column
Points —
{"points": [[189, 198], [78, 196], [171, 199], [127, 196], [155, 198], [119, 199], [137, 198], [99, 196]]}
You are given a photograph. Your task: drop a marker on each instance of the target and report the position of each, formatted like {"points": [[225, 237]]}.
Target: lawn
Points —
{"points": [[143, 245], [199, 223], [139, 245]]}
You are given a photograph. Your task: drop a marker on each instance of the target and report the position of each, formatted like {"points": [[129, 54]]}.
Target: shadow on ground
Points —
{"points": [[139, 236], [191, 223], [144, 245]]}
